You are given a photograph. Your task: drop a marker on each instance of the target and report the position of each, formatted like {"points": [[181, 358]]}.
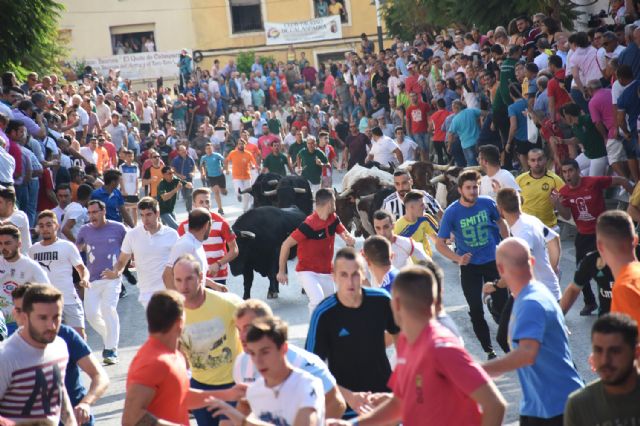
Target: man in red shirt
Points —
{"points": [[418, 124], [315, 238], [558, 95], [221, 246], [583, 198], [435, 382], [411, 83], [265, 141]]}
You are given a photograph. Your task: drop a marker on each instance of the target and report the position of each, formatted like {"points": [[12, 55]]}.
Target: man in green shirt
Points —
{"points": [[312, 160], [168, 189], [296, 147], [276, 161], [614, 398], [502, 98], [274, 124], [586, 134]]}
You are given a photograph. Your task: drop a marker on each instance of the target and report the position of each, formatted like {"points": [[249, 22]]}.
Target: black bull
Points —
{"points": [[271, 189], [260, 233]]}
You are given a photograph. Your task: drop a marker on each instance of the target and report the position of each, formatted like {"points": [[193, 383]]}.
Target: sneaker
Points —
{"points": [[110, 357], [239, 197], [491, 355], [123, 291], [588, 309], [220, 212], [130, 277]]}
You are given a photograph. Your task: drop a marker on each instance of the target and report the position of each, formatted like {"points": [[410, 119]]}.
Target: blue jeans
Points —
{"points": [[422, 141], [169, 219], [204, 417], [458, 155], [32, 203], [470, 156], [22, 196]]}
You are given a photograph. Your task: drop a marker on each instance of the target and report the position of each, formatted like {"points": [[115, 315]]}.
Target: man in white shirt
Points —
{"points": [[102, 111], [405, 250], [406, 144], [7, 162], [191, 243], [150, 243], [245, 371], [236, 123], [118, 131], [383, 149], [15, 270], [284, 394], [70, 214], [544, 244], [59, 258], [89, 152], [10, 214], [83, 122], [495, 177]]}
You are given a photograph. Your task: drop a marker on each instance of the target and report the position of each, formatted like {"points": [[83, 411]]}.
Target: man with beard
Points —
{"points": [[9, 213], [241, 164], [476, 224], [613, 399], [394, 203], [15, 270], [40, 357], [59, 258]]}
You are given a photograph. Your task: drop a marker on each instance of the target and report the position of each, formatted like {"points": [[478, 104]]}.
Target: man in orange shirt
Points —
{"points": [[157, 381], [616, 240], [241, 164]]}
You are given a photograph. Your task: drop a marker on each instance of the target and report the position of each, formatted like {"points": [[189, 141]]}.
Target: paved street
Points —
{"points": [[292, 306]]}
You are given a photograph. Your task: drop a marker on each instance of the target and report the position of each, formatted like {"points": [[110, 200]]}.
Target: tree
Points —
{"points": [[30, 36], [405, 18]]}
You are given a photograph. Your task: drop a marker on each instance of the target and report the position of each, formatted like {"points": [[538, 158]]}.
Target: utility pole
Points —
{"points": [[379, 21]]}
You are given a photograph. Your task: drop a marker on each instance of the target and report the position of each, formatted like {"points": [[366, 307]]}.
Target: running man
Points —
{"points": [[212, 169], [476, 224], [241, 164], [59, 258], [101, 239], [403, 183], [414, 223], [315, 238], [405, 251]]}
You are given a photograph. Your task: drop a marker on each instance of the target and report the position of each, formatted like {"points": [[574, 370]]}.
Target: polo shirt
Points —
{"points": [[167, 206], [465, 125]]}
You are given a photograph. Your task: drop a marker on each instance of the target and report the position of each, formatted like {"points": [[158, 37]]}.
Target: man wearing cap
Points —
{"points": [[411, 82]]}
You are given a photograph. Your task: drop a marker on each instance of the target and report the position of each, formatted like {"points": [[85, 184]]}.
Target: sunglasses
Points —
{"points": [[156, 156]]}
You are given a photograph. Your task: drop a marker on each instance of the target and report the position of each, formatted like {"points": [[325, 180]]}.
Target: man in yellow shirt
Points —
{"points": [[210, 338], [241, 164], [415, 224], [536, 187]]}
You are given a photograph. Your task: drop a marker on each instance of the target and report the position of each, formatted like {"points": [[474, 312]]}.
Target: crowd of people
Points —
{"points": [[91, 172]]}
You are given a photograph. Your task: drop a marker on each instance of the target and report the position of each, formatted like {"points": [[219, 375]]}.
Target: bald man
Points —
{"points": [[540, 347]]}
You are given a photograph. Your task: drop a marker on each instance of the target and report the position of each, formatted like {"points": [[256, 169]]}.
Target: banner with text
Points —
{"points": [[139, 66], [299, 32]]}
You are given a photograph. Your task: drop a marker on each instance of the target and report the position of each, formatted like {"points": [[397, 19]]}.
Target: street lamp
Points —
{"points": [[379, 22]]}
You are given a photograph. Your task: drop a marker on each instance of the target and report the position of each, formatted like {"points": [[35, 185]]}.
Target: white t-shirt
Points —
{"points": [[76, 212], [289, 140], [23, 366], [234, 120], [130, 175], [406, 252], [152, 251], [408, 149], [537, 235], [382, 151], [89, 155], [58, 261], [14, 274], [104, 113], [188, 244], [20, 220], [503, 177], [84, 119], [147, 115], [299, 390], [244, 371]]}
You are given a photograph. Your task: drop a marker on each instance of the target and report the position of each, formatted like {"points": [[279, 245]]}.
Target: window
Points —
{"points": [[246, 16], [329, 7], [127, 39]]}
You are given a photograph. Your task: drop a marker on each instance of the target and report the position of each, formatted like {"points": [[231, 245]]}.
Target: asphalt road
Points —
{"points": [[292, 307]]}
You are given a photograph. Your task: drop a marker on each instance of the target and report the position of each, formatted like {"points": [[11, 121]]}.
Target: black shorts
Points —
{"points": [[219, 181], [131, 199], [523, 147]]}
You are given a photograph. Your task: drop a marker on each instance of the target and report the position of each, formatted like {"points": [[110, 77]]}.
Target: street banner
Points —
{"points": [[139, 66], [327, 28]]}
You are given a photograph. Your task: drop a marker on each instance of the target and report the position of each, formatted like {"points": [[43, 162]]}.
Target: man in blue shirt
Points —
{"points": [[477, 227], [628, 105], [212, 165], [80, 357], [111, 196], [631, 54], [184, 167], [538, 338], [466, 124]]}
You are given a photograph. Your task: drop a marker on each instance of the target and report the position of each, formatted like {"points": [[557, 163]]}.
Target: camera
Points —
{"points": [[595, 19]]}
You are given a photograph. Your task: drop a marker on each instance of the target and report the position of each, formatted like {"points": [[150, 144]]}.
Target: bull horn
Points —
{"points": [[345, 194], [270, 193], [440, 167], [438, 179], [247, 234], [272, 182], [246, 190], [475, 168], [300, 190]]}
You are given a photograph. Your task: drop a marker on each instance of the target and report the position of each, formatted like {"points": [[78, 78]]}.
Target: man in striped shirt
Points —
{"points": [[221, 247], [394, 203], [34, 361]]}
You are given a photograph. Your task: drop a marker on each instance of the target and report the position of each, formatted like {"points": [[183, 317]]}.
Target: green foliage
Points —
{"points": [[30, 36], [244, 60], [405, 18]]}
